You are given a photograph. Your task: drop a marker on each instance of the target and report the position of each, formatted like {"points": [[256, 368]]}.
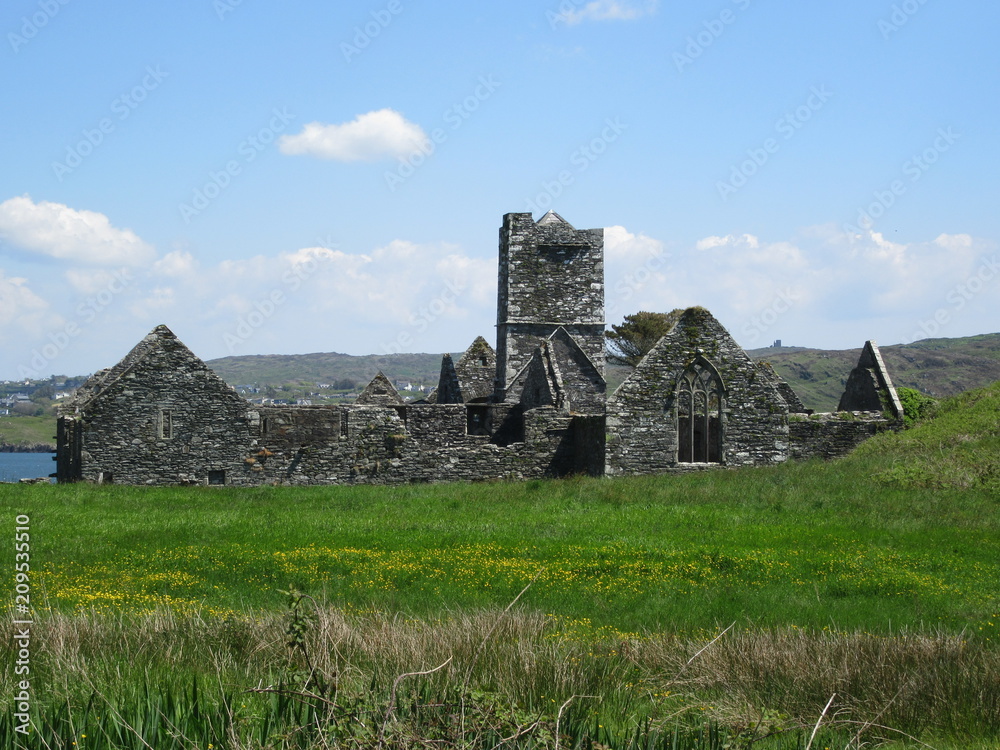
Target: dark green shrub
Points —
{"points": [[916, 405]]}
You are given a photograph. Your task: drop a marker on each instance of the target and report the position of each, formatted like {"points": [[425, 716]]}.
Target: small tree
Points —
{"points": [[629, 342]]}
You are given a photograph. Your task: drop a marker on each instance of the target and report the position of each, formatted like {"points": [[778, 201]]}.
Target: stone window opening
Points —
{"points": [[700, 401], [476, 420], [166, 424], [217, 476]]}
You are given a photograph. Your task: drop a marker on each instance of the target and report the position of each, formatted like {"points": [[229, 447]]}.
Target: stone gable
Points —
{"points": [[748, 424]]}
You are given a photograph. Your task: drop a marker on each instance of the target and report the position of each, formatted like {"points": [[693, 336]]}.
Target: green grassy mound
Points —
{"points": [[959, 448]]}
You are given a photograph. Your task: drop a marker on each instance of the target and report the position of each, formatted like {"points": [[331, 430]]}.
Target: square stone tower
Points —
{"points": [[550, 276]]}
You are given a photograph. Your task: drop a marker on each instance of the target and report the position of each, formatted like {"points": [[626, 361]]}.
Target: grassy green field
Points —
{"points": [[714, 610], [804, 544]]}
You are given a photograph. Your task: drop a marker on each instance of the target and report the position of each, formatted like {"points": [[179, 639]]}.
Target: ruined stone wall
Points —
{"points": [[834, 434], [216, 435], [550, 274], [641, 417]]}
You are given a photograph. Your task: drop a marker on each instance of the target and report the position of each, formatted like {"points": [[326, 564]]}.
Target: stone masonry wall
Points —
{"points": [[217, 435], [550, 275], [834, 434], [641, 416]]}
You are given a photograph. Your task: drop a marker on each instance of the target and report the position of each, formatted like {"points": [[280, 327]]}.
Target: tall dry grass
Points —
{"points": [[521, 667]]}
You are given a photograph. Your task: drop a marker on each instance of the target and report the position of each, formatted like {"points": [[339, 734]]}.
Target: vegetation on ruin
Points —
{"points": [[917, 406], [720, 609]]}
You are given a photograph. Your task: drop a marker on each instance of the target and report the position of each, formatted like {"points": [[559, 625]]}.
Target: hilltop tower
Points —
{"points": [[551, 276]]}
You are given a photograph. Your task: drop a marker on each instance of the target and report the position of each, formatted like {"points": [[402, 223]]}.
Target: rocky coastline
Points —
{"points": [[27, 448]]}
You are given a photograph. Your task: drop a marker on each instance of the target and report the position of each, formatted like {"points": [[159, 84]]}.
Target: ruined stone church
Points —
{"points": [[535, 406]]}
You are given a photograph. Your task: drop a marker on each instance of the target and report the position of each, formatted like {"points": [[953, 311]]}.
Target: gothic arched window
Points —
{"points": [[699, 401]]}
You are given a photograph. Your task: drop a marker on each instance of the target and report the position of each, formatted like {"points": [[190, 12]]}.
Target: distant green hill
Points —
{"points": [[22, 431], [277, 369], [937, 367]]}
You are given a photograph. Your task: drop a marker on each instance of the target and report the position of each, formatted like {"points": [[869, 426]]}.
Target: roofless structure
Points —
{"points": [[536, 406]]}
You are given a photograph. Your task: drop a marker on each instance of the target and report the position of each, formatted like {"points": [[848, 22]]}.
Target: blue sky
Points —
{"points": [[305, 176]]}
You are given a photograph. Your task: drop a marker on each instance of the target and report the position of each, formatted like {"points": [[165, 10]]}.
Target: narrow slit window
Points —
{"points": [[166, 424]]}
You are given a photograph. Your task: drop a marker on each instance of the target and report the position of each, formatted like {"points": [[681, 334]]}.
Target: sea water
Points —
{"points": [[15, 466]]}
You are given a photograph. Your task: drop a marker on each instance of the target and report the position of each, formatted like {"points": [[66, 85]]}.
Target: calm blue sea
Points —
{"points": [[14, 466]]}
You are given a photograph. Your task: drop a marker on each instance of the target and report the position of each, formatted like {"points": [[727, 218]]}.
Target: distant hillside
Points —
{"points": [[937, 367], [278, 369]]}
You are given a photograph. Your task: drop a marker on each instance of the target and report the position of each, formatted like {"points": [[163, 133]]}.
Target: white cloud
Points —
{"points": [[621, 244], [369, 137], [638, 270], [610, 10], [730, 240], [23, 314], [89, 281], [58, 231], [402, 296], [818, 288], [177, 263]]}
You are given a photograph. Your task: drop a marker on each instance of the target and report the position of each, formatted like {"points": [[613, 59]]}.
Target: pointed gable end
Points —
{"points": [[448, 390], [696, 399], [582, 382], [869, 387], [553, 218], [476, 371], [380, 392], [161, 357], [541, 380]]}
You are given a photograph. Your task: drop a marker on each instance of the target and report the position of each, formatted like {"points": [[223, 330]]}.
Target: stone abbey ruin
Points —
{"points": [[536, 406]]}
